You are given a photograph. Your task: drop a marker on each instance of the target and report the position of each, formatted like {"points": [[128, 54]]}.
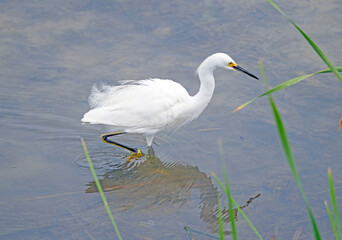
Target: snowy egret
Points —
{"points": [[151, 105]]}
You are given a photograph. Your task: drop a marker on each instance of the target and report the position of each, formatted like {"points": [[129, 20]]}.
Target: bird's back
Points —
{"points": [[139, 106]]}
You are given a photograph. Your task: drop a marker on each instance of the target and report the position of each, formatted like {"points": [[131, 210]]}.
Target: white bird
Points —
{"points": [[151, 105]]}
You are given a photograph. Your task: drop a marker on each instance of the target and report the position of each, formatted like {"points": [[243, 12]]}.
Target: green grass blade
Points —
{"points": [[288, 153], [245, 104], [246, 219], [220, 218], [331, 219], [334, 203], [286, 84], [250, 224], [311, 42], [228, 193], [99, 188]]}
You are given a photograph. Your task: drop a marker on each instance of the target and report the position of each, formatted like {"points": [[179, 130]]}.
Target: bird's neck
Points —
{"points": [[206, 91]]}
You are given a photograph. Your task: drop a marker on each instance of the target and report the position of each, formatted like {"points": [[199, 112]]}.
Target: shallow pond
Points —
{"points": [[53, 52]]}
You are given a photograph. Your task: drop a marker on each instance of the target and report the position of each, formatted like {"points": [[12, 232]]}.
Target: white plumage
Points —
{"points": [[151, 105]]}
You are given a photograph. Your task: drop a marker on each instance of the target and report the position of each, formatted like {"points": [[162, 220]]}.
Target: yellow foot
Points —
{"points": [[134, 156]]}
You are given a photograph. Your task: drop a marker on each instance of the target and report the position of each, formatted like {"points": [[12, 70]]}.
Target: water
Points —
{"points": [[52, 53]]}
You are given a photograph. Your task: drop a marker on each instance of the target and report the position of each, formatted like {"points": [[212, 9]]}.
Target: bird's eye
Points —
{"points": [[231, 64]]}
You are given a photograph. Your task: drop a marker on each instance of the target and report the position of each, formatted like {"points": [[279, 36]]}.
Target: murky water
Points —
{"points": [[51, 54]]}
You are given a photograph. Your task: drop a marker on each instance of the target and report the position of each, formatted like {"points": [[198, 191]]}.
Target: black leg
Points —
{"points": [[105, 139]]}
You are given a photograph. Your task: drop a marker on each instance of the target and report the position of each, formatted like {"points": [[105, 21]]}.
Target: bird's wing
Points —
{"points": [[145, 104]]}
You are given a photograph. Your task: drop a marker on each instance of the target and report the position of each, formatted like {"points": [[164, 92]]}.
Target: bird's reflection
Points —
{"points": [[150, 184]]}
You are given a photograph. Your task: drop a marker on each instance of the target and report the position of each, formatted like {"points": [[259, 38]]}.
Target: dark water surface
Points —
{"points": [[52, 52]]}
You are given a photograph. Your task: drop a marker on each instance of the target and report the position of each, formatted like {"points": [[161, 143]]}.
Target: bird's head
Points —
{"points": [[222, 60]]}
